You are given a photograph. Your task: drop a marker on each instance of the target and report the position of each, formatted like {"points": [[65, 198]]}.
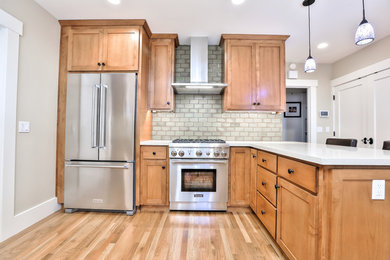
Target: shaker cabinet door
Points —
{"points": [[85, 47]]}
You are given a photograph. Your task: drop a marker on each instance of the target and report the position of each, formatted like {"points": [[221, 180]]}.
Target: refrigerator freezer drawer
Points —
{"points": [[99, 185]]}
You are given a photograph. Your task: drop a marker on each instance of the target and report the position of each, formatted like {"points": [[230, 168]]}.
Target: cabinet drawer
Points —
{"points": [[299, 173], [267, 160], [266, 182], [266, 213], [154, 152]]}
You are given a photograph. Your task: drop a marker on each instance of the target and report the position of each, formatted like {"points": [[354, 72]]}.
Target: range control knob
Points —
{"points": [[181, 153], [223, 154], [208, 153], [198, 153], [216, 153], [173, 153]]}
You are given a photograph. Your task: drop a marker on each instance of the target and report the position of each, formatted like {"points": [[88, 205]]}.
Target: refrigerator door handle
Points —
{"points": [[95, 108], [103, 115], [98, 166]]}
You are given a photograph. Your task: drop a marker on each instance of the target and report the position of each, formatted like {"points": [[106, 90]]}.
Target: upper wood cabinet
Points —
{"points": [[162, 63], [103, 49], [239, 176], [254, 72]]}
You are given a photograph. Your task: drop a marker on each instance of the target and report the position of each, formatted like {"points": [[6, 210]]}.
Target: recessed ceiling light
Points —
{"points": [[114, 2], [238, 2], [322, 45]]}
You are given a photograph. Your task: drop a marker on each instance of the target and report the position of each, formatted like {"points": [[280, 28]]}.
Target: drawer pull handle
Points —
{"points": [[262, 212], [263, 160], [163, 167], [154, 153], [263, 183], [290, 171], [277, 186]]}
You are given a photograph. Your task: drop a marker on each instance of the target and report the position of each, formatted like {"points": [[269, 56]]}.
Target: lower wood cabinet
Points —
{"points": [[252, 187], [297, 227], [154, 177], [266, 213], [265, 184], [239, 168]]}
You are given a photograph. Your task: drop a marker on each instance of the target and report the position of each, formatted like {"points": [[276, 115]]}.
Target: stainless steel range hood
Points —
{"points": [[199, 71]]}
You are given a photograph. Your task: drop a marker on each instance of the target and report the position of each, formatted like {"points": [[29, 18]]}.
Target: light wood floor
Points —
{"points": [[147, 235]]}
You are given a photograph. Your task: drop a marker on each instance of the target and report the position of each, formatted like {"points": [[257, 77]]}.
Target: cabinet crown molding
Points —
{"points": [[251, 37]]}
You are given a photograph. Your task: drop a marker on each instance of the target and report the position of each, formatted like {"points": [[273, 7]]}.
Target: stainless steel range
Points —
{"points": [[198, 176]]}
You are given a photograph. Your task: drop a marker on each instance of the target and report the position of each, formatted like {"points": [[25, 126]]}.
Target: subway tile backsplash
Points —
{"points": [[201, 116]]}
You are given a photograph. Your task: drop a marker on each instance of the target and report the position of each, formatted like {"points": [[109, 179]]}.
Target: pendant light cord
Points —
{"points": [[364, 11], [310, 31]]}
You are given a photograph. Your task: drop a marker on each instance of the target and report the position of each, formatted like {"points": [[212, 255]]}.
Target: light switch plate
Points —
{"points": [[24, 127], [319, 129], [378, 189], [327, 129]]}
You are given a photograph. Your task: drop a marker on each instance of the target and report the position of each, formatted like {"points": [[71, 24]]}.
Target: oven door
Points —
{"points": [[198, 184]]}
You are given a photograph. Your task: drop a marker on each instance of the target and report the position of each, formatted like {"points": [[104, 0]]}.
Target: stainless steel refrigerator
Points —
{"points": [[100, 142]]}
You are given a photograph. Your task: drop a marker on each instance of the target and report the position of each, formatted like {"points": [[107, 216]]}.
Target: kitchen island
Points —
{"points": [[315, 200]]}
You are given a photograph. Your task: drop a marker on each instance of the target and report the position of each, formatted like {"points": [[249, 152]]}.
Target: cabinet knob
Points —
{"points": [[263, 160], [103, 64], [99, 64], [262, 212], [163, 167], [290, 171], [258, 103], [277, 186], [254, 103], [263, 183], [168, 103], [253, 156], [154, 153]]}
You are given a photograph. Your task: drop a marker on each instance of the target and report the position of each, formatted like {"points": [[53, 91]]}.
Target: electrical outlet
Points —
{"points": [[378, 189], [24, 127]]}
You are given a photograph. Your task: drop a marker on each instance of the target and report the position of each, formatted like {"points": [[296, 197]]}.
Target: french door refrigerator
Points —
{"points": [[99, 142]]}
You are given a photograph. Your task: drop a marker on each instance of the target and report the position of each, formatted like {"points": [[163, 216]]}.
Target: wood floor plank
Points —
{"points": [[146, 235]]}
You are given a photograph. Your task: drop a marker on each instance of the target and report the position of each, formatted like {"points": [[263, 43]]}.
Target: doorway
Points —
{"points": [[295, 118]]}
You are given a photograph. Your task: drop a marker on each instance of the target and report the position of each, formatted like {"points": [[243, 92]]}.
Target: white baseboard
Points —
{"points": [[29, 217]]}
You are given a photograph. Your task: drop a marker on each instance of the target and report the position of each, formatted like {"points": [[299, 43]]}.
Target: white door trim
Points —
{"points": [[311, 86], [379, 66], [10, 224]]}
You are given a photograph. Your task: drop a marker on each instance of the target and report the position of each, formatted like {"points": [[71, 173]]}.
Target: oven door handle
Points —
{"points": [[199, 161]]}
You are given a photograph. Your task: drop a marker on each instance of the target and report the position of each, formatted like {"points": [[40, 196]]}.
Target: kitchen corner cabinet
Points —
{"points": [[154, 176], [162, 63], [103, 49], [252, 187], [240, 169], [254, 72]]}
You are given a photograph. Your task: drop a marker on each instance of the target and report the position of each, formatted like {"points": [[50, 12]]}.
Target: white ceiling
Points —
{"points": [[333, 21]]}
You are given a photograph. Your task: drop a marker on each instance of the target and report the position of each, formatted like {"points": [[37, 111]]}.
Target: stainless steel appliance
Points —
{"points": [[198, 175], [99, 142]]}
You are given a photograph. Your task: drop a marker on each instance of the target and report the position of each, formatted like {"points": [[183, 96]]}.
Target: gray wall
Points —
{"points": [[201, 116], [37, 103], [371, 54]]}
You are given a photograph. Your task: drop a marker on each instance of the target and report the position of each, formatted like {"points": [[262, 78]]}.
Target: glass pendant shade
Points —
{"points": [[364, 33], [310, 65]]}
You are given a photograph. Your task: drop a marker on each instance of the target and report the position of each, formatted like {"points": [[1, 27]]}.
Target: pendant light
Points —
{"points": [[365, 32], [310, 64]]}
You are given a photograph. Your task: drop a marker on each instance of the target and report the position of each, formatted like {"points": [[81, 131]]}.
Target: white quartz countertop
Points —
{"points": [[316, 153]]}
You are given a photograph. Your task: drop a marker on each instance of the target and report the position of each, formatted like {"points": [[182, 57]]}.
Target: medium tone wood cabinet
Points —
{"points": [[254, 72], [162, 63], [103, 49], [239, 181], [252, 187], [296, 221], [154, 176]]}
